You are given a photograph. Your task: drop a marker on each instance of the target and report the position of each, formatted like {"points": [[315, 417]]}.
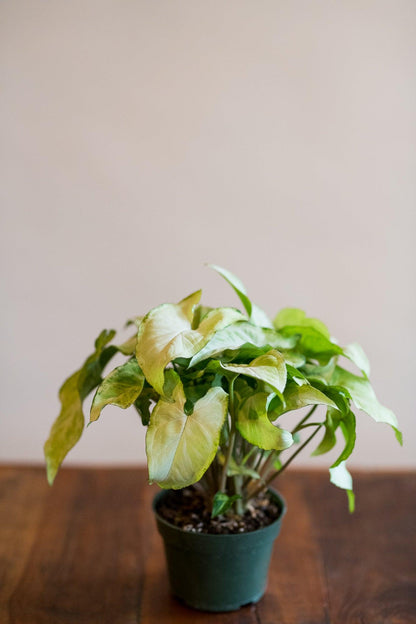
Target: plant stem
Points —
{"points": [[304, 419], [231, 440], [267, 482], [239, 507]]}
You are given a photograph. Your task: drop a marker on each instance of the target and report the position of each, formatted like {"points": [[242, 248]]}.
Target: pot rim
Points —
{"points": [[282, 504]]}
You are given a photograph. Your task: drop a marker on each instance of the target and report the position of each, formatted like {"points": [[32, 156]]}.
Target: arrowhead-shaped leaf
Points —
{"points": [[269, 368], [68, 427], [365, 399], [255, 313], [180, 447], [165, 334], [255, 426], [236, 284], [121, 387], [222, 502]]}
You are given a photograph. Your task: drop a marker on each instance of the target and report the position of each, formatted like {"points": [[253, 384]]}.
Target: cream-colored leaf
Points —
{"points": [[254, 425], [180, 447], [269, 368], [162, 333], [165, 334]]}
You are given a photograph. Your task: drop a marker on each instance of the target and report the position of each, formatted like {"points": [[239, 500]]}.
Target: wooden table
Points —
{"points": [[87, 552]]}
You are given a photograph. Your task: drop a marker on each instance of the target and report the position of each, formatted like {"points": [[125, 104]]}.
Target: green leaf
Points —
{"points": [[68, 427], [181, 446], [329, 440], [255, 427], [165, 334], [293, 358], [298, 377], [243, 354], [355, 353], [255, 313], [365, 399], [301, 396], [237, 335], [347, 425], [340, 477], [338, 394], [269, 368], [143, 402], [295, 316], [121, 387], [236, 284], [222, 503], [312, 343]]}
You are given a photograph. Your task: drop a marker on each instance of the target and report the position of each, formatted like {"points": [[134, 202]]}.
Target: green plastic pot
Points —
{"points": [[218, 572]]}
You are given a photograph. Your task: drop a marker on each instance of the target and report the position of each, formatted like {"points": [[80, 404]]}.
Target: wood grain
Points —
{"points": [[87, 551], [370, 556]]}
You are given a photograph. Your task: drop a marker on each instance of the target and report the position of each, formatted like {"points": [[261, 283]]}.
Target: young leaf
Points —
{"points": [[181, 446], [255, 427], [269, 368], [255, 313], [236, 284], [68, 427], [342, 479], [165, 334], [365, 399], [294, 316], [221, 503], [121, 387]]}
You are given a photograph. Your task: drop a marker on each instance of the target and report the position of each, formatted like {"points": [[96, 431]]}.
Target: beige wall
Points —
{"points": [[142, 139]]}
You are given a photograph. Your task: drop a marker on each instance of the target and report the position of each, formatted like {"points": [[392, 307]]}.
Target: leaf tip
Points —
{"points": [[51, 471], [351, 501], [399, 436]]}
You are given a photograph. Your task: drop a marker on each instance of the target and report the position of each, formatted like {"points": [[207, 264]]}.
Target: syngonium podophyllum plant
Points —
{"points": [[212, 386]]}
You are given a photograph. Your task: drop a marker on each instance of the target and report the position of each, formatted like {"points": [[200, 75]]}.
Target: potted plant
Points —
{"points": [[229, 401]]}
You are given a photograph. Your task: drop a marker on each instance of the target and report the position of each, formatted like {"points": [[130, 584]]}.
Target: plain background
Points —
{"points": [[142, 139]]}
